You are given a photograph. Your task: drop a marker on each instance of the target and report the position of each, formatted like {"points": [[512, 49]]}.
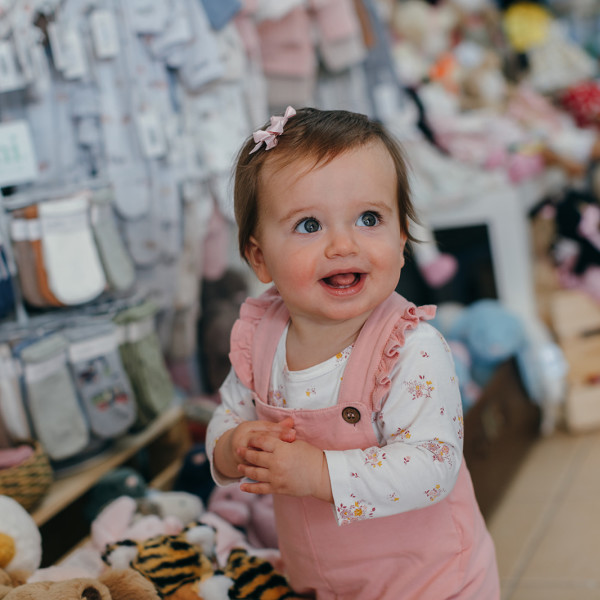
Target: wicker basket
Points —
{"points": [[28, 482]]}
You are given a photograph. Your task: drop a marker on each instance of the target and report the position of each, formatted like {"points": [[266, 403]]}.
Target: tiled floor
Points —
{"points": [[547, 527]]}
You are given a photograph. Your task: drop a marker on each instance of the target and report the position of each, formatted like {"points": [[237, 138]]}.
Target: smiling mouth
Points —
{"points": [[342, 281]]}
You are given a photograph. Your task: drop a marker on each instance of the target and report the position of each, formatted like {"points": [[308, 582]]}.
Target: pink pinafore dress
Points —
{"points": [[439, 552]]}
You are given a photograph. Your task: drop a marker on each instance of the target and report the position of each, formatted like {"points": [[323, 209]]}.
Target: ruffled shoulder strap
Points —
{"points": [[377, 348], [254, 339]]}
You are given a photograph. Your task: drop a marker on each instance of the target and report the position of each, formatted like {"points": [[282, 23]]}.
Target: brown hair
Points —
{"points": [[318, 134]]}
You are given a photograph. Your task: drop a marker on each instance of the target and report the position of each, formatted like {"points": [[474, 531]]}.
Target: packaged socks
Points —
{"points": [[143, 360]]}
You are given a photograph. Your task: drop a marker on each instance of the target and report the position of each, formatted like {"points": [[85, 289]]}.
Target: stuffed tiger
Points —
{"points": [[168, 561], [255, 578]]}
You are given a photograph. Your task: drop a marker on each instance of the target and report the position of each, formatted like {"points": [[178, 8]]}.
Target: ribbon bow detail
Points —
{"points": [[270, 134]]}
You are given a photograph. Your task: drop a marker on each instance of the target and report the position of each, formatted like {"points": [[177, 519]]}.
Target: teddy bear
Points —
{"points": [[114, 584]]}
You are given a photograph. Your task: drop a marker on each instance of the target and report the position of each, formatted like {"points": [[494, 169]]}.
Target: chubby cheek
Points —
{"points": [[300, 269]]}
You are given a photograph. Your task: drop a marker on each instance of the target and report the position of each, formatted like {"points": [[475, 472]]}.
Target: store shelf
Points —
{"points": [[66, 490]]}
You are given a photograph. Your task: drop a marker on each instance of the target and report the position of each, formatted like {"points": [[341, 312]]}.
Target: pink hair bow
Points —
{"points": [[270, 134]]}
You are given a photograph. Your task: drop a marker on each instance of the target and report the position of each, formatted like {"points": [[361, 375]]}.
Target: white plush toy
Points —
{"points": [[20, 538]]}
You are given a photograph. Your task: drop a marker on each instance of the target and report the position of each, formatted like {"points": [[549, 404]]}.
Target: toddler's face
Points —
{"points": [[329, 238]]}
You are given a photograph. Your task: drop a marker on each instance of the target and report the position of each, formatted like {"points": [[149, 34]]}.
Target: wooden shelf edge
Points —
{"points": [[66, 490]]}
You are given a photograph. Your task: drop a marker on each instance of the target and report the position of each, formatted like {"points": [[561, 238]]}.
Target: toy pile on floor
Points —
{"points": [[150, 545]]}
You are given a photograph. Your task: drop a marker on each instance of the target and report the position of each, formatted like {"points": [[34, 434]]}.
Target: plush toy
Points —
{"points": [[254, 578], [120, 520], [115, 584], [244, 577], [123, 481], [250, 512], [221, 301], [491, 334], [168, 561], [20, 539], [194, 476], [577, 248], [469, 390]]}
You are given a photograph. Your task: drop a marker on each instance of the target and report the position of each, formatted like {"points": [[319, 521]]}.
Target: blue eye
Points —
{"points": [[368, 219], [308, 225]]}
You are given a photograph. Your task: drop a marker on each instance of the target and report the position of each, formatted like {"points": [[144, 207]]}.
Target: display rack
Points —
{"points": [[60, 514]]}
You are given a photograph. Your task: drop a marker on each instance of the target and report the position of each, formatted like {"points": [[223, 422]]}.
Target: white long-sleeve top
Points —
{"points": [[419, 427]]}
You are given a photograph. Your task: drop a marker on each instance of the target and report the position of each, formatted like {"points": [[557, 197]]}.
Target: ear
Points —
{"points": [[254, 255], [403, 240]]}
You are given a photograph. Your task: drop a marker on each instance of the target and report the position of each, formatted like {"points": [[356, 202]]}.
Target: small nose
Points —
{"points": [[340, 242]]}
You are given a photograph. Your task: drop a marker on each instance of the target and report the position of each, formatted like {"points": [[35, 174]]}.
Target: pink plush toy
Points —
{"points": [[251, 512], [117, 522]]}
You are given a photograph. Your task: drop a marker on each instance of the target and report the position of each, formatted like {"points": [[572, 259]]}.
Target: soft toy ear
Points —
{"points": [[127, 584]]}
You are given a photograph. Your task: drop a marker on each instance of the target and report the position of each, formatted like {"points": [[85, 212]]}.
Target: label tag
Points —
{"points": [[147, 16], [104, 34], [10, 78], [92, 348], [38, 371], [76, 60], [152, 135], [18, 162]]}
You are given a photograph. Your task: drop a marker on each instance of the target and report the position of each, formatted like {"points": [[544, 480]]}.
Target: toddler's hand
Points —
{"points": [[227, 450], [293, 469]]}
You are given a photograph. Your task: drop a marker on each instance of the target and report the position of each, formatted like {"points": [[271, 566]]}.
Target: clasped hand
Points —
{"points": [[278, 463]]}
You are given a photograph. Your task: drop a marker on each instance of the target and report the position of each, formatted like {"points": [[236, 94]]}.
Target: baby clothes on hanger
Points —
{"points": [[289, 58], [124, 164], [339, 34], [220, 12], [254, 84], [274, 10], [201, 64]]}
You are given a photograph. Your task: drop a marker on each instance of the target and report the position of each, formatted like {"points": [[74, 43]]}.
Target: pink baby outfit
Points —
{"points": [[440, 552]]}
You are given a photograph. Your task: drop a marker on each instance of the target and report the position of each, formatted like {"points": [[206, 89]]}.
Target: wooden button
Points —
{"points": [[351, 414]]}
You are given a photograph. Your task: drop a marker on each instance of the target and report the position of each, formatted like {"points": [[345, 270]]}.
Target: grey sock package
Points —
{"points": [[56, 415], [100, 379]]}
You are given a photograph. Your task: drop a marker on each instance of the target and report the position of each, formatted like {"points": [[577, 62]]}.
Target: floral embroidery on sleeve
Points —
{"points": [[374, 457], [458, 419], [444, 342], [231, 417], [440, 451], [435, 493], [357, 511], [401, 434], [419, 388]]}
